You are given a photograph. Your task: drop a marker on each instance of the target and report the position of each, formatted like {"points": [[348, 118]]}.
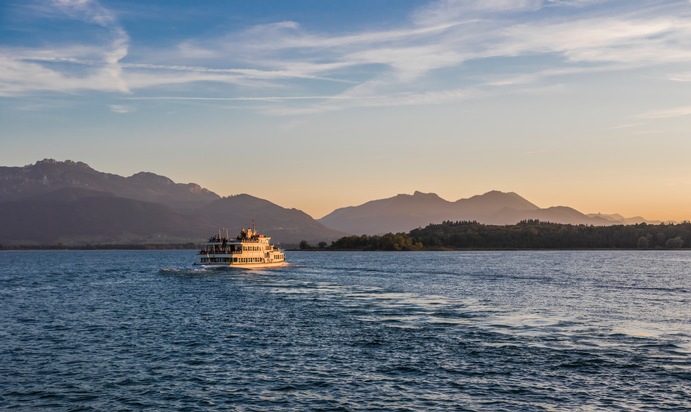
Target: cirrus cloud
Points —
{"points": [[419, 60]]}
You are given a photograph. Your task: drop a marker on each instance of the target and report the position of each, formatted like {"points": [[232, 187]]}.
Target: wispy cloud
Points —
{"points": [[25, 70], [404, 65], [680, 77], [252, 99], [353, 99], [626, 126], [119, 108], [448, 34], [450, 10], [667, 113], [602, 40]]}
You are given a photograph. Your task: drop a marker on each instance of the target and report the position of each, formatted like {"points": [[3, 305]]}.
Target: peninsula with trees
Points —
{"points": [[526, 235]]}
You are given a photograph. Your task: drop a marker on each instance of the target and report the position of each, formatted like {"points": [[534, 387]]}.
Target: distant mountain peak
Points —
{"points": [[416, 198], [402, 213], [151, 177], [58, 162], [616, 218], [47, 175], [44, 162], [499, 193], [495, 200], [419, 194]]}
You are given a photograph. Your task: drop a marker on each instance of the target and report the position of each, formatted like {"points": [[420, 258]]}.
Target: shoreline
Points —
{"points": [[192, 246]]}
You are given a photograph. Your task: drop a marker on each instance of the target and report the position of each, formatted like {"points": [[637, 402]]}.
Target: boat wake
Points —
{"points": [[188, 270]]}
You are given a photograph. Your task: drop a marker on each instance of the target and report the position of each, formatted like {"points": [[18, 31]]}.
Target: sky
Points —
{"points": [[318, 105]]}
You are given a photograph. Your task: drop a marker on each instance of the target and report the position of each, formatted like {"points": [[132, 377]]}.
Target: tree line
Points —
{"points": [[389, 241], [528, 234]]}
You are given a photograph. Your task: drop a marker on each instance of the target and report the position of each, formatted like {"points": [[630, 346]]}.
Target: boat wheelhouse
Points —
{"points": [[249, 250]]}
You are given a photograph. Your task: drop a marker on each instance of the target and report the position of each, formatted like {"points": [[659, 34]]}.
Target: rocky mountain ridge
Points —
{"points": [[17, 183]]}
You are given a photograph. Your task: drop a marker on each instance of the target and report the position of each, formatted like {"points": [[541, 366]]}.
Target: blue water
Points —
{"points": [[477, 331]]}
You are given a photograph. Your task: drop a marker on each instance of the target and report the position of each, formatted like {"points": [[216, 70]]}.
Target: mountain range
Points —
{"points": [[68, 202], [403, 213]]}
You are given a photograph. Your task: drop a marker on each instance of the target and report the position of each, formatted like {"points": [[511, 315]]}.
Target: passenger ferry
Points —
{"points": [[249, 250]]}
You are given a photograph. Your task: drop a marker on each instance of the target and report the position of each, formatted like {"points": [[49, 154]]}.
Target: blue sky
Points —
{"points": [[324, 104]]}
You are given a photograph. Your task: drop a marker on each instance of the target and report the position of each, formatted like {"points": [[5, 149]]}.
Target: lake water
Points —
{"points": [[477, 331]]}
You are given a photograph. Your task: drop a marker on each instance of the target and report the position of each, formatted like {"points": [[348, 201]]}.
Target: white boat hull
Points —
{"points": [[245, 265]]}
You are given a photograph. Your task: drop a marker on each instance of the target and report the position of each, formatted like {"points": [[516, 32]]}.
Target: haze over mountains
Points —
{"points": [[403, 213], [69, 202]]}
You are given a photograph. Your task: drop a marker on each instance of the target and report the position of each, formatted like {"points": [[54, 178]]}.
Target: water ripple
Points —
{"points": [[488, 331]]}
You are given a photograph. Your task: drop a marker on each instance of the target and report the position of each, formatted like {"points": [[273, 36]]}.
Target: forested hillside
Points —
{"points": [[529, 234]]}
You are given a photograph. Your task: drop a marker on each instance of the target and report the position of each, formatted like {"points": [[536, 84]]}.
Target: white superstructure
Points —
{"points": [[249, 250]]}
